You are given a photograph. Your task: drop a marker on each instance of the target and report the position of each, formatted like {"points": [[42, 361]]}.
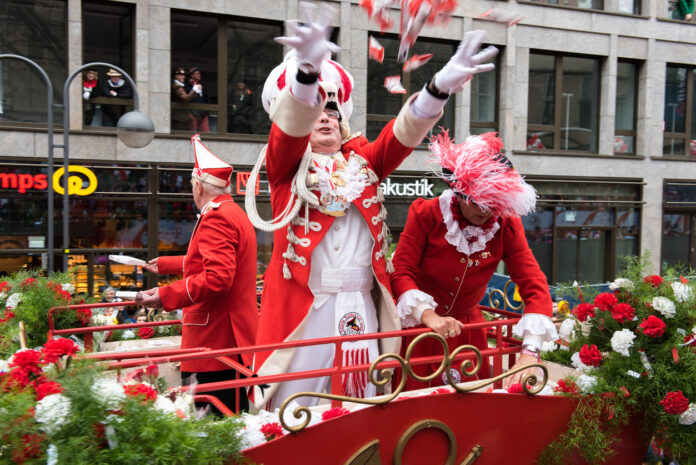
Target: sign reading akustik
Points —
{"points": [[76, 184], [417, 188]]}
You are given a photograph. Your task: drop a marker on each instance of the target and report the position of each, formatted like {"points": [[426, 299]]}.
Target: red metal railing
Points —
{"points": [[504, 345]]}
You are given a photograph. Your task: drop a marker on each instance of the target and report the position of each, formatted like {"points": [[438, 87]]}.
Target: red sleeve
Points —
{"points": [[171, 264], [385, 153], [283, 155], [524, 269], [409, 250], [217, 242]]}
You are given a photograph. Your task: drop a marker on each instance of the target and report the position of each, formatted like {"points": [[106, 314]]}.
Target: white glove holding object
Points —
{"points": [[311, 38], [466, 62], [86, 93], [198, 88]]}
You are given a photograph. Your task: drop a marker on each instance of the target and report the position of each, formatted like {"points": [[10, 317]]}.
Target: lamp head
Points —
{"points": [[135, 129]]}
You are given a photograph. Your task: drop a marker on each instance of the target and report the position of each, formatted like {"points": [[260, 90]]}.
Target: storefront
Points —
{"points": [[124, 206]]}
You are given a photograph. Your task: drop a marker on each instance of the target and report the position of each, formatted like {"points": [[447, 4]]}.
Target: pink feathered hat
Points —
{"points": [[477, 168]]}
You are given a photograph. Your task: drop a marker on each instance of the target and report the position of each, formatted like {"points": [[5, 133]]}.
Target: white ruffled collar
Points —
{"points": [[462, 239]]}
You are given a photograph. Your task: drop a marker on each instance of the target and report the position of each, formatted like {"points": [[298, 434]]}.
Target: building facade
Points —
{"points": [[594, 100]]}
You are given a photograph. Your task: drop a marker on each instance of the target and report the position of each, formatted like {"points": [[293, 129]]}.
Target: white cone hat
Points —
{"points": [[209, 168]]}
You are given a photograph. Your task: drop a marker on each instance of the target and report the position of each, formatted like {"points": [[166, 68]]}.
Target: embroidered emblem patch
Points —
{"points": [[351, 324], [455, 374]]}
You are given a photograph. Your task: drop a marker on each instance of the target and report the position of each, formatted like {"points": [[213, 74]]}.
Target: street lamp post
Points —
{"points": [[134, 129], [49, 122]]}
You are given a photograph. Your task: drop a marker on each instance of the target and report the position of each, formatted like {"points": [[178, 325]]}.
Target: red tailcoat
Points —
{"points": [[218, 289], [286, 302], [424, 260]]}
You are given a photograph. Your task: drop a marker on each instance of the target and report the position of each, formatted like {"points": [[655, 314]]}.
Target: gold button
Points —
{"points": [[456, 278], [462, 260], [336, 228], [451, 294], [337, 247]]}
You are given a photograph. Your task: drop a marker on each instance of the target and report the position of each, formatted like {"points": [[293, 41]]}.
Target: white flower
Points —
{"points": [[13, 300], [682, 292], [622, 340], [688, 417], [109, 392], [53, 411], [3, 295], [549, 346], [664, 306], [577, 363], [586, 383], [251, 435], [68, 287], [621, 283], [165, 405], [567, 329], [128, 334], [4, 366], [99, 320]]}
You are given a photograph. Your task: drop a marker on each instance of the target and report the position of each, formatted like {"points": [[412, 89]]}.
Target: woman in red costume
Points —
{"points": [[452, 244]]}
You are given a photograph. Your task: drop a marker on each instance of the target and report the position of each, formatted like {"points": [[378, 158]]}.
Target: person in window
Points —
{"points": [[198, 119], [217, 291], [108, 296], [330, 260], [114, 87], [180, 118], [452, 245], [90, 89], [686, 9], [242, 105]]}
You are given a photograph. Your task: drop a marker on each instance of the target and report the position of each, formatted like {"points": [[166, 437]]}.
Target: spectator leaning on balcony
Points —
{"points": [[198, 119], [114, 87], [452, 244], [90, 89], [328, 275], [180, 118], [218, 289]]}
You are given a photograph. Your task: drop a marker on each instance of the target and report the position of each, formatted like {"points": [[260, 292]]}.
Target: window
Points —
{"points": [[563, 110], [680, 106], [484, 100], [587, 4], [107, 37], [382, 106], [36, 30], [679, 225], [233, 58], [582, 229], [626, 98]]}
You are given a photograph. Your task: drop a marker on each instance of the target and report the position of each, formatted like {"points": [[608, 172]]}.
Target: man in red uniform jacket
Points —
{"points": [[330, 260], [218, 289]]}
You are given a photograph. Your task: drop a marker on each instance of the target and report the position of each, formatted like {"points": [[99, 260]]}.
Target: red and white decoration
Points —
{"points": [[208, 167]]}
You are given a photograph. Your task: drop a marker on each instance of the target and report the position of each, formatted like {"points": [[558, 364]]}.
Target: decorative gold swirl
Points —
{"points": [[496, 298], [530, 383]]}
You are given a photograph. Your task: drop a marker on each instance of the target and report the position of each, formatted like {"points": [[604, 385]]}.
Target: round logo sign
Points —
{"points": [[351, 324]]}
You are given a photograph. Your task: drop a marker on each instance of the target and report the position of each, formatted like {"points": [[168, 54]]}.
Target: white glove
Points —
{"points": [[198, 88], [86, 94], [311, 38], [466, 62]]}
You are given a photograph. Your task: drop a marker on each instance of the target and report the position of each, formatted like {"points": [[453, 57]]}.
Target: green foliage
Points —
{"points": [[135, 433], [37, 297], [662, 375]]}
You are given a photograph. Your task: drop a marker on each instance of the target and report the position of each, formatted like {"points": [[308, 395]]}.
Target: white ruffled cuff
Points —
{"points": [[308, 93], [426, 106], [534, 329], [411, 306]]}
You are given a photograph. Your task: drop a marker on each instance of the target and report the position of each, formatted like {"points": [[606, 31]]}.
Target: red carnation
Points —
{"points": [[9, 314], [56, 348], [5, 286], [152, 370], [140, 390], [622, 312], [272, 431], [590, 355], [653, 326], [333, 413], [84, 315], [32, 448], [26, 359], [28, 282], [145, 333], [675, 403], [653, 279], [605, 301], [567, 386], [584, 311], [515, 388], [47, 388]]}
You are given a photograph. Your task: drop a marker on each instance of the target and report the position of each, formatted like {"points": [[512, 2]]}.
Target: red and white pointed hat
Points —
{"points": [[209, 168]]}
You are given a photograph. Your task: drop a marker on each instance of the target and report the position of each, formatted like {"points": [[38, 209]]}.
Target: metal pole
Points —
{"points": [[49, 122], [567, 96], [66, 151]]}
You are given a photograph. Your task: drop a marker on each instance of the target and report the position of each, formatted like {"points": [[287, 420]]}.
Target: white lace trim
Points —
{"points": [[411, 306], [354, 177], [536, 324], [460, 237]]}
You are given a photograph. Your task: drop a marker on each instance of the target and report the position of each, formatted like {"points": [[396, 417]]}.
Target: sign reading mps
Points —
{"points": [[76, 184]]}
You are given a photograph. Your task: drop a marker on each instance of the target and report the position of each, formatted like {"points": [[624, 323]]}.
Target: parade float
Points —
{"points": [[632, 382]]}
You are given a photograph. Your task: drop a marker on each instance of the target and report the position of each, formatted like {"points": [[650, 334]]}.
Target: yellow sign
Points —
{"points": [[75, 183]]}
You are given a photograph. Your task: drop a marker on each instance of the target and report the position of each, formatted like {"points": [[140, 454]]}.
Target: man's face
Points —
{"points": [[196, 75], [91, 75], [326, 133], [109, 295], [179, 77], [197, 192], [472, 212], [115, 78], [240, 87]]}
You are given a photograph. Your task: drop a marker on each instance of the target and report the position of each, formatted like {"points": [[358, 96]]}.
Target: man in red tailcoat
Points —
{"points": [[328, 275], [218, 289]]}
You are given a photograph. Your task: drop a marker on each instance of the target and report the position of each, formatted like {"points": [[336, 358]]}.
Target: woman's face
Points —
{"points": [[472, 212]]}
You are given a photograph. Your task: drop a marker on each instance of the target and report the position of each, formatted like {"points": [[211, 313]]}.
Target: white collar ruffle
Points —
{"points": [[462, 239]]}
